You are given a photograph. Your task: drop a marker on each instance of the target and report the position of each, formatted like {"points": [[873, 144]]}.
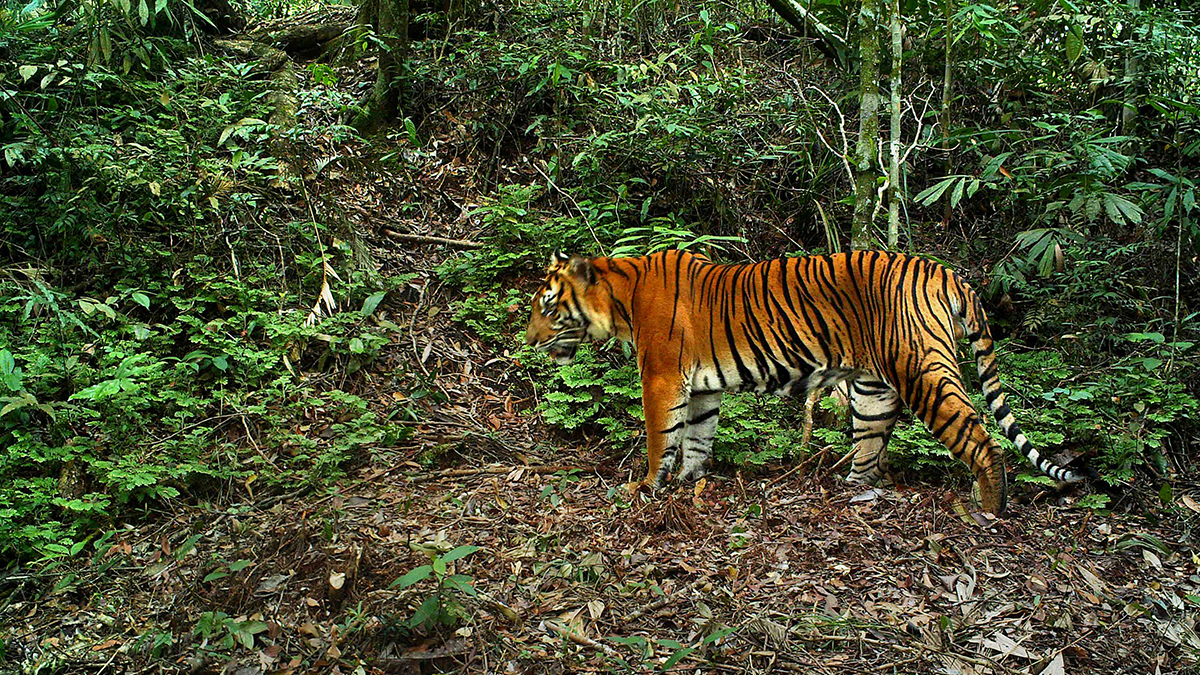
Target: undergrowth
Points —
{"points": [[155, 336]]}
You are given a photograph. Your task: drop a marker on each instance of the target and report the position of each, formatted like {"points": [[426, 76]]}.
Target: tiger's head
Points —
{"points": [[569, 308]]}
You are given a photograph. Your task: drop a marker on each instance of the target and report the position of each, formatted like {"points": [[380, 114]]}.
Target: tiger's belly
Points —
{"points": [[780, 381]]}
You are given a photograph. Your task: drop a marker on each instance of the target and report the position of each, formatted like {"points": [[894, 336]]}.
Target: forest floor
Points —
{"points": [[776, 572]]}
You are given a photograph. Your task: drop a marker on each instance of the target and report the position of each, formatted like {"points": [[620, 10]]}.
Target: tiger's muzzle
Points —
{"points": [[561, 346]]}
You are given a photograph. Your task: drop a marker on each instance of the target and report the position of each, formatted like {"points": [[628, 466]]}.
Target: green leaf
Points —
{"points": [[419, 574], [356, 345], [141, 299], [931, 194], [1151, 363], [412, 133], [187, 546], [678, 656], [957, 194], [439, 566], [1074, 43], [27, 72], [1121, 210], [1166, 495], [372, 302], [461, 583], [427, 613], [143, 12], [460, 552], [240, 565], [213, 576], [719, 634]]}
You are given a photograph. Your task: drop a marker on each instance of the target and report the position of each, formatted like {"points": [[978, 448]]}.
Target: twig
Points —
{"points": [[460, 473], [802, 465], [268, 502], [578, 638], [568, 196], [844, 155], [893, 666], [657, 604], [845, 458], [424, 239]]}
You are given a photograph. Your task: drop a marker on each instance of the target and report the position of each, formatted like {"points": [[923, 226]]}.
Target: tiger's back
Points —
{"points": [[887, 322]]}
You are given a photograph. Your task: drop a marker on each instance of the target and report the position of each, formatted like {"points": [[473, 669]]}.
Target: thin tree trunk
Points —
{"points": [[1132, 65], [947, 82], [391, 25], [893, 235], [868, 131]]}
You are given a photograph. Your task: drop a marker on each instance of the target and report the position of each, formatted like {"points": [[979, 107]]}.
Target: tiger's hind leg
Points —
{"points": [[703, 411], [874, 408], [941, 401]]}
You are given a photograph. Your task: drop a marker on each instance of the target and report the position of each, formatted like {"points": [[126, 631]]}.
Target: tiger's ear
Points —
{"points": [[557, 258], [582, 268]]}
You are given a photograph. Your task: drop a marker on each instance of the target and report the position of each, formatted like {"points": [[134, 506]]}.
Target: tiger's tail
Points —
{"points": [[976, 326]]}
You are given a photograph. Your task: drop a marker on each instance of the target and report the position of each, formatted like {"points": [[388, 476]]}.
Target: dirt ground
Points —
{"points": [[774, 572]]}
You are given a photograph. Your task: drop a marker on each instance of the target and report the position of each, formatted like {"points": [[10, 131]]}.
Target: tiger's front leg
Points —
{"points": [[665, 402]]}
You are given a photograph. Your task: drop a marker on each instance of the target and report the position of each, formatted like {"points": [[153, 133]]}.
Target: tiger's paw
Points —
{"points": [[693, 470], [879, 479], [646, 485]]}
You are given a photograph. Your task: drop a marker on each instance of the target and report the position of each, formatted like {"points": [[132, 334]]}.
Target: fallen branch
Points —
{"points": [[423, 239], [657, 604], [845, 458], [460, 473], [582, 640], [307, 38]]}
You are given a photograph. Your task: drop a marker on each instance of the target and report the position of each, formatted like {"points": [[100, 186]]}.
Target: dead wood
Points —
{"points": [[425, 239], [283, 89], [307, 40], [460, 473], [562, 631]]}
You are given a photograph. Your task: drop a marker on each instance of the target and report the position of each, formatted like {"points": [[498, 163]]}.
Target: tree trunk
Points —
{"points": [[868, 131], [944, 116], [1129, 104], [389, 18], [893, 235]]}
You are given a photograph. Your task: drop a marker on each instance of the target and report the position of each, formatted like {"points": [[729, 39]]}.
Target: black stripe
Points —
{"points": [[707, 414], [674, 428], [1002, 412], [872, 418]]}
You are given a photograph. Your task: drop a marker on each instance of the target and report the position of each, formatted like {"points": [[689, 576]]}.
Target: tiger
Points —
{"points": [[886, 323]]}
